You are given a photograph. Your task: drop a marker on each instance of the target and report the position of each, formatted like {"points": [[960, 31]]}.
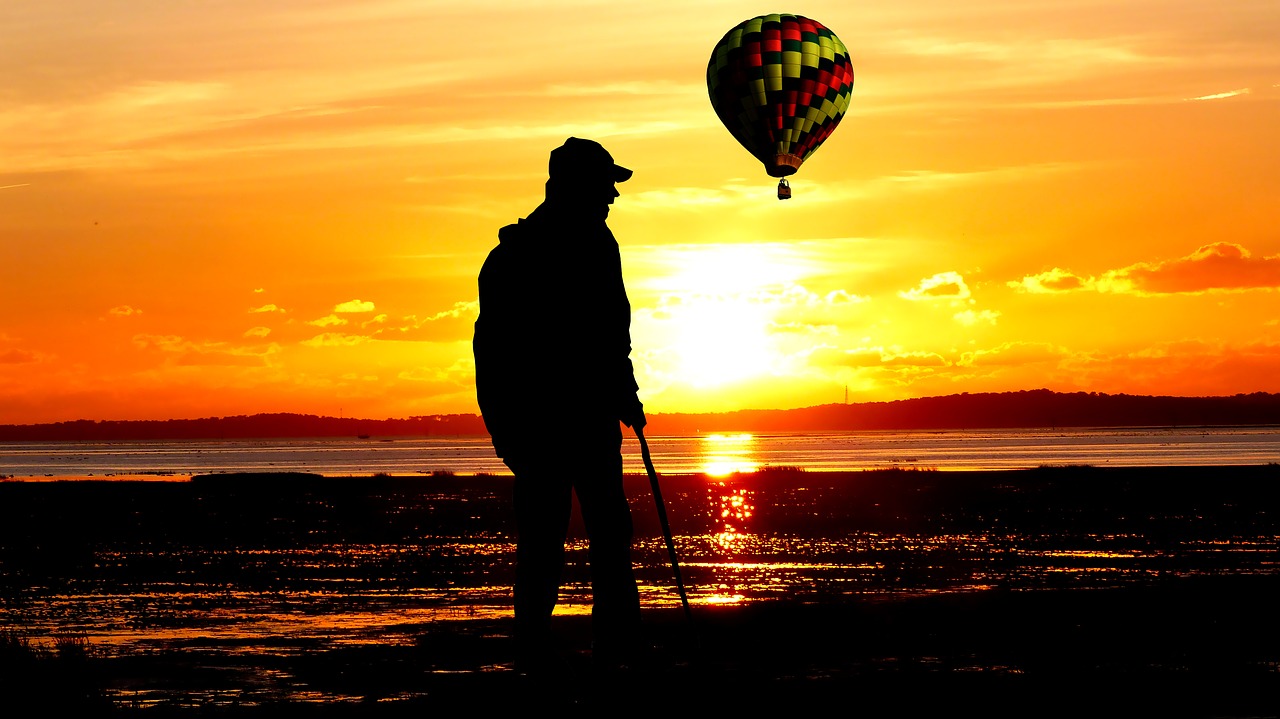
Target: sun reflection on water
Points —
{"points": [[733, 507], [725, 599], [724, 454]]}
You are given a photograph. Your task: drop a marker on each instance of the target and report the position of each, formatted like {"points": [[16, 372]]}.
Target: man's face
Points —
{"points": [[593, 198]]}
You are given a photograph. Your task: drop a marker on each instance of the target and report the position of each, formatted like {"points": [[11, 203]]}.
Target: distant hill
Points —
{"points": [[1039, 408], [245, 427], [1027, 408]]}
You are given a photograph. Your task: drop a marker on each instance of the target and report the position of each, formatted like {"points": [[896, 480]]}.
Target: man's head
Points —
{"points": [[582, 176]]}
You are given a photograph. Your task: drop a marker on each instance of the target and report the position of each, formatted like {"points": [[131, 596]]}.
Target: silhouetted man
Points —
{"points": [[553, 379]]}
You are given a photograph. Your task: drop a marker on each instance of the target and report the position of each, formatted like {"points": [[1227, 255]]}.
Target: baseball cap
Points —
{"points": [[581, 159]]}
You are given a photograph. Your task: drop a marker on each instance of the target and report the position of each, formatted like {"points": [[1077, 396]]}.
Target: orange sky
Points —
{"points": [[227, 208]]}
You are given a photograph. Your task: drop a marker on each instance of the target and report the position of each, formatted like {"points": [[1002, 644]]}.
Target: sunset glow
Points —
{"points": [[233, 208]]}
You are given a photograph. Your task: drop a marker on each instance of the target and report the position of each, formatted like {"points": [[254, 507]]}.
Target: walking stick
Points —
{"points": [[662, 517]]}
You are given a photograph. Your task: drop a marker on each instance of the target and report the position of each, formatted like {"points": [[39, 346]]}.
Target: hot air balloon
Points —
{"points": [[780, 84]]}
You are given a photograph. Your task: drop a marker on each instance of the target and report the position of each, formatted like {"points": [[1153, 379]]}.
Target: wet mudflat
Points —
{"points": [[1055, 592]]}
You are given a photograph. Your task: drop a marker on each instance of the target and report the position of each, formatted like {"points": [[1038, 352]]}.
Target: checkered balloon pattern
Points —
{"points": [[780, 84]]}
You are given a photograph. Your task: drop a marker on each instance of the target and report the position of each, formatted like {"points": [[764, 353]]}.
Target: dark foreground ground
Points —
{"points": [[1202, 648], [1201, 639]]}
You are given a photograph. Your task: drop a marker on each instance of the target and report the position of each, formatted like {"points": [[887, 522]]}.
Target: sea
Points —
{"points": [[716, 454]]}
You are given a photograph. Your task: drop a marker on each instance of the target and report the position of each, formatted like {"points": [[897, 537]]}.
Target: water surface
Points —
{"points": [[719, 453]]}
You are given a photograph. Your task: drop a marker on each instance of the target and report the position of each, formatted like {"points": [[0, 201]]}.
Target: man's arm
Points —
{"points": [[631, 411], [495, 373]]}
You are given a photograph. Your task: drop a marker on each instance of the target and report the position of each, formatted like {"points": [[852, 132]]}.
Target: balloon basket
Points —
{"points": [[784, 190]]}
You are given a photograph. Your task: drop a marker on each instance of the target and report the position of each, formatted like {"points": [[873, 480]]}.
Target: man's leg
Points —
{"points": [[615, 612], [543, 503]]}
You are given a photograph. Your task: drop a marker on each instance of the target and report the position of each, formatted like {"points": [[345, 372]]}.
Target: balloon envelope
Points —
{"points": [[780, 84]]}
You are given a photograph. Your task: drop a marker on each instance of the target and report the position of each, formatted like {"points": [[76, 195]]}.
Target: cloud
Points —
{"points": [[875, 357], [806, 328], [1220, 266], [447, 326], [354, 306], [969, 318], [186, 352], [1046, 54], [1216, 267], [1050, 281], [1222, 95], [123, 311], [459, 372], [942, 286], [836, 297], [941, 179], [259, 290], [747, 197], [960, 69], [265, 308], [257, 332], [334, 339], [635, 87], [327, 321], [18, 356], [161, 342], [1012, 354], [433, 381]]}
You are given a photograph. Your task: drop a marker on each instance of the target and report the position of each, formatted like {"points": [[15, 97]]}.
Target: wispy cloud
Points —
{"points": [[876, 357], [1013, 354], [1222, 95], [1077, 52], [334, 339], [953, 71], [354, 306], [328, 321], [265, 308], [637, 87], [969, 318], [1216, 267], [447, 326], [932, 179], [1220, 266], [185, 352], [18, 356], [942, 286], [1049, 281]]}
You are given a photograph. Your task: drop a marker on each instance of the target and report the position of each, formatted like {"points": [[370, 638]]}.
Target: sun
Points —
{"points": [[717, 308], [721, 341]]}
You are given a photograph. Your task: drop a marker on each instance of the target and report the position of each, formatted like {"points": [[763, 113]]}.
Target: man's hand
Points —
{"points": [[634, 416]]}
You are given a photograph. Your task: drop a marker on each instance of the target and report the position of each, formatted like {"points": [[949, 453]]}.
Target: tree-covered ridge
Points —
{"points": [[1025, 409]]}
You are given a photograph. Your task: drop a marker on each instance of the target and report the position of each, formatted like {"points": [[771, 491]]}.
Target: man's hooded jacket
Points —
{"points": [[553, 339]]}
